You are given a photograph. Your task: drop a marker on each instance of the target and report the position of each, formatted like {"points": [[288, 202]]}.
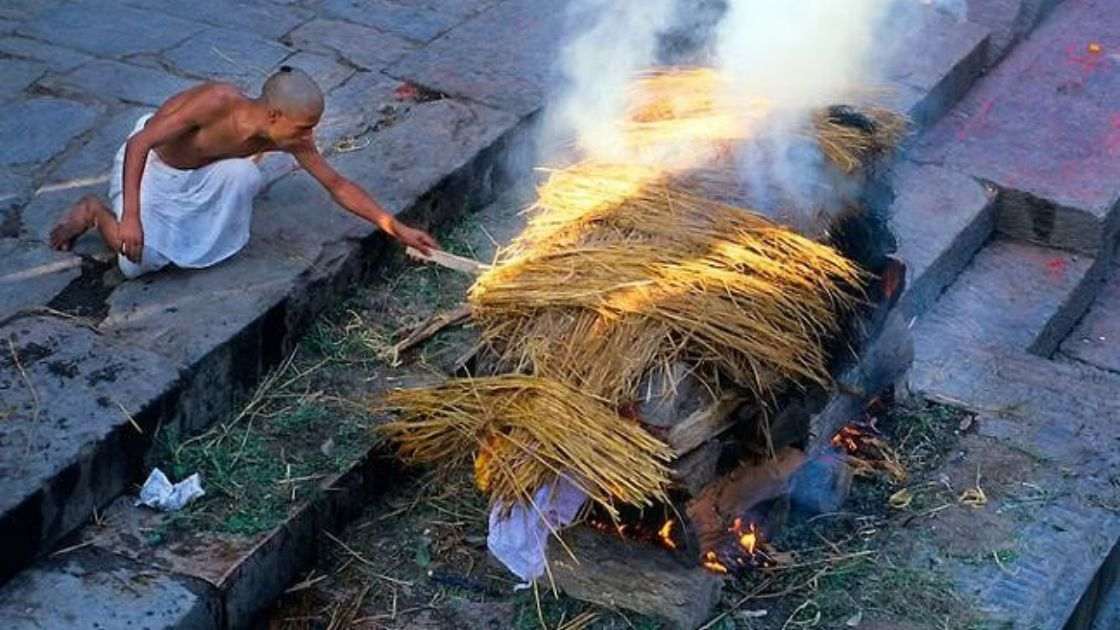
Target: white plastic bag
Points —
{"points": [[159, 493], [520, 541]]}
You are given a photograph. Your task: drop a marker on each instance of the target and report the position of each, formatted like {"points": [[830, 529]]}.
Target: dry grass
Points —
{"points": [[528, 432]]}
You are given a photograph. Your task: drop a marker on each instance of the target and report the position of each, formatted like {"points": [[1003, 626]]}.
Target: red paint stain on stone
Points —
{"points": [[1056, 268], [1088, 62], [977, 121], [1112, 136]]}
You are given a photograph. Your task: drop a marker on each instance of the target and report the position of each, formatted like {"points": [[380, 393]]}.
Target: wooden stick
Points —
{"points": [[430, 328], [451, 261]]}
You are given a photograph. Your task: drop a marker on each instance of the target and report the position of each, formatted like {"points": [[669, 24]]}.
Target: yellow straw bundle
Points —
{"points": [[528, 432], [595, 297], [625, 267]]}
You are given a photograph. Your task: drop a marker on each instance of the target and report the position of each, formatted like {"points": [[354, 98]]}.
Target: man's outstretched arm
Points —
{"points": [[356, 200]]}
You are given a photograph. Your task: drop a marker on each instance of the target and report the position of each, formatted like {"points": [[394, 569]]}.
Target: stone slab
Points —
{"points": [[406, 159], [88, 589], [16, 75], [58, 58], [267, 19], [23, 10], [92, 162], [37, 129], [327, 71], [934, 54], [411, 21], [1013, 296], [246, 573], [941, 219], [361, 46], [31, 274], [1096, 340], [107, 80], [228, 55], [1043, 127], [109, 29], [366, 100], [67, 445], [503, 57], [1009, 20]]}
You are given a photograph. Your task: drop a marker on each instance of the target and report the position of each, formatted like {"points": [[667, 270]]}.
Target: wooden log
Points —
{"points": [[696, 469], [704, 424], [734, 495], [616, 573]]}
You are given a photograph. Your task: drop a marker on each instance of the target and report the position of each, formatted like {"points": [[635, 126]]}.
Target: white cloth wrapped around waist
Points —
{"points": [[193, 218]]}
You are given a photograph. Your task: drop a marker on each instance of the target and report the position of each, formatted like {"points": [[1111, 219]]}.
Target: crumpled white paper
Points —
{"points": [[159, 493], [520, 540]]}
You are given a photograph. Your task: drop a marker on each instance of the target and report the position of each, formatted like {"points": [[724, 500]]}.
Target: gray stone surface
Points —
{"points": [[32, 274], [1096, 340], [91, 590], [66, 443], [36, 130], [26, 9], [1056, 424], [354, 108], [1013, 296], [94, 159], [60, 59], [228, 55], [409, 20], [107, 80], [1042, 127], [110, 31], [362, 46], [408, 158], [935, 55], [471, 62], [1009, 20], [326, 69], [16, 75], [268, 19], [941, 219]]}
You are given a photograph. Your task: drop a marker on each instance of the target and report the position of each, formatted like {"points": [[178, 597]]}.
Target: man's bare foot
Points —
{"points": [[77, 221]]}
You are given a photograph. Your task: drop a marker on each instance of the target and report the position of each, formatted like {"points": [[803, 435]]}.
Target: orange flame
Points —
{"points": [[665, 534], [711, 563]]}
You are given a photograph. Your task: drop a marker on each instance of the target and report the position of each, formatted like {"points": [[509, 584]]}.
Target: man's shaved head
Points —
{"points": [[294, 93]]}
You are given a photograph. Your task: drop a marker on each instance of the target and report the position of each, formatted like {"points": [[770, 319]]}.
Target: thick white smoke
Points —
{"points": [[613, 40], [802, 54]]}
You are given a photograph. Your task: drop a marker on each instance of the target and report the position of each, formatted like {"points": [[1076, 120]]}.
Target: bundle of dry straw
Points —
{"points": [[623, 268], [601, 286], [686, 108], [528, 431]]}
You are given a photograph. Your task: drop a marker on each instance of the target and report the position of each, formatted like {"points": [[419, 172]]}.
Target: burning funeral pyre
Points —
{"points": [[663, 364]]}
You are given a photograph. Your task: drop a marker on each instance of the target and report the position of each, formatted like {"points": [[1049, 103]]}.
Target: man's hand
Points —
{"points": [[131, 236], [416, 239]]}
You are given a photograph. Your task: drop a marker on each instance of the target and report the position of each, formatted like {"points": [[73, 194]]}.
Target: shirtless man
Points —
{"points": [[182, 185]]}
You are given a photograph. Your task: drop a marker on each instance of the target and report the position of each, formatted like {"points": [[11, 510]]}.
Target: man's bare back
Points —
{"points": [[213, 122]]}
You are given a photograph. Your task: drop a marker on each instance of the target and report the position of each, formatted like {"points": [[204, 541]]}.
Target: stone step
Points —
{"points": [[1043, 446], [934, 58], [1010, 21], [1041, 128], [176, 351], [1096, 340], [1012, 297], [236, 576], [941, 219]]}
